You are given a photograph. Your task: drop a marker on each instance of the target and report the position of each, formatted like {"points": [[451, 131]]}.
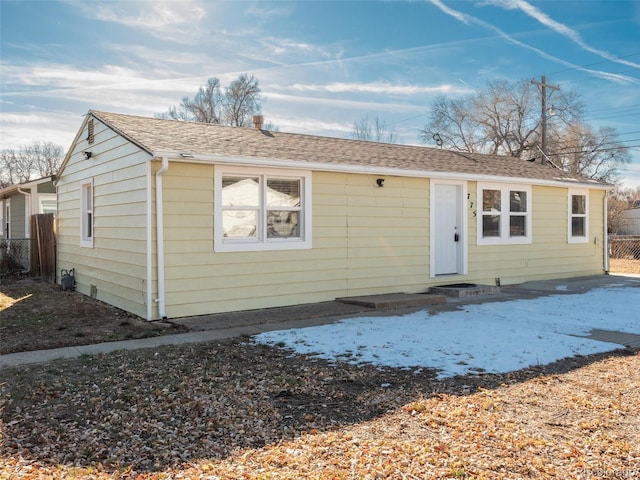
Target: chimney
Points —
{"points": [[258, 120]]}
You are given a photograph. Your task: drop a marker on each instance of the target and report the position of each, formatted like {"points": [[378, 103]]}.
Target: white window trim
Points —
{"points": [[504, 238], [3, 218], [86, 240], [7, 219], [570, 237], [27, 214], [222, 244]]}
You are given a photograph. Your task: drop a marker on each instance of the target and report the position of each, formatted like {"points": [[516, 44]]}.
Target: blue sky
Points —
{"points": [[321, 64]]}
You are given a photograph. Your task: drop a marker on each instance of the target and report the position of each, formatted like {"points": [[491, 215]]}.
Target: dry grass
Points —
{"points": [[239, 410], [624, 265], [36, 315]]}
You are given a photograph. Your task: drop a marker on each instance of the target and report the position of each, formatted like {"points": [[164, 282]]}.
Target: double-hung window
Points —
{"points": [[261, 209], [578, 216], [504, 214], [86, 219]]}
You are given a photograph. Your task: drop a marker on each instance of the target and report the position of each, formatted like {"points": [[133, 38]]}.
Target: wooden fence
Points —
{"points": [[43, 246]]}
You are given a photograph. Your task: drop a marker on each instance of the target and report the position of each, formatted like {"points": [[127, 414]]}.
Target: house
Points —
{"points": [[19, 202], [17, 205], [630, 222], [166, 219]]}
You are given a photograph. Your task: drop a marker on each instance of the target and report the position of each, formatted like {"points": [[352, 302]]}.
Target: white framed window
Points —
{"points": [[86, 220], [503, 214], [261, 209], [578, 222]]}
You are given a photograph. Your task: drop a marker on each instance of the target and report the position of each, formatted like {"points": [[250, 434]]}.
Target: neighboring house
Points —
{"points": [[164, 218], [19, 202], [630, 222]]}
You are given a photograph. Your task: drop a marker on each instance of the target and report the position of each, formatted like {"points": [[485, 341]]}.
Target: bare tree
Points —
{"points": [[502, 119], [615, 209], [29, 162], [505, 119], [375, 130], [235, 106], [595, 153], [619, 201], [242, 100]]}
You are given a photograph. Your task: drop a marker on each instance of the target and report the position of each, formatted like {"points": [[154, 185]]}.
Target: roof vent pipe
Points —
{"points": [[258, 120]]}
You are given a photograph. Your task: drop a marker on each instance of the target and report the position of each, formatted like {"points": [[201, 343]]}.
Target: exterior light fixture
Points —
{"points": [[87, 155], [380, 182]]}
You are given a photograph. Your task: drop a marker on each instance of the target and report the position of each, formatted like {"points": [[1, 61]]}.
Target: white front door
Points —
{"points": [[448, 232]]}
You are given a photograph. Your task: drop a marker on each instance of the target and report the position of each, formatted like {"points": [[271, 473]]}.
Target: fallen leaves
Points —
{"points": [[36, 315], [238, 410]]}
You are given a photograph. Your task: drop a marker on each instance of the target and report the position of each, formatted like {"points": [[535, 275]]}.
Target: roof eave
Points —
{"points": [[190, 157]]}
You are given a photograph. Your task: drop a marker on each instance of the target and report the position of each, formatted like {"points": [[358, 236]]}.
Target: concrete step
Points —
{"points": [[394, 300], [461, 290]]}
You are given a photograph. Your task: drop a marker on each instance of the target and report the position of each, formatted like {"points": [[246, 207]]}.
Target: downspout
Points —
{"points": [[27, 211], [149, 298], [160, 237], [606, 235]]}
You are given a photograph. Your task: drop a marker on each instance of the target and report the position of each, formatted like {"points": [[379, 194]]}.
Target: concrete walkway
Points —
{"points": [[227, 325]]}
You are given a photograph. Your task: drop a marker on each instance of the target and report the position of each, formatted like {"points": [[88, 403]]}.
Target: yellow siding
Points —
{"points": [[363, 236], [116, 265], [366, 240], [549, 255]]}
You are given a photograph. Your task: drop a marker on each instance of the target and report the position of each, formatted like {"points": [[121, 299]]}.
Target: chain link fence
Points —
{"points": [[15, 256], [624, 254]]}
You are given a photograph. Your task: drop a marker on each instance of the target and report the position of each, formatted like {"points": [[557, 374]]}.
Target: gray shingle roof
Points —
{"points": [[153, 135]]}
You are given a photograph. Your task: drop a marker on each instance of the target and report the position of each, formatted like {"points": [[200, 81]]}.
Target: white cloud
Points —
{"points": [[166, 19], [156, 15], [468, 19], [374, 87], [20, 129], [560, 28], [261, 11]]}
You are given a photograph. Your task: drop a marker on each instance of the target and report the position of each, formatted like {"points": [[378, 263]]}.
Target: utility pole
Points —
{"points": [[543, 117]]}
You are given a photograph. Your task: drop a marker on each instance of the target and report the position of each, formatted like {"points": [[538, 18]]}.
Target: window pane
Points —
{"points": [[282, 223], [518, 201], [240, 191], [578, 204], [239, 223], [491, 201], [89, 232], [88, 197], [283, 192], [577, 226], [491, 225], [517, 226]]}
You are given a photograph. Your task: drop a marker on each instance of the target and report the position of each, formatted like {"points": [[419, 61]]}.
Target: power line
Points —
{"points": [[616, 108], [614, 116], [595, 63], [591, 151]]}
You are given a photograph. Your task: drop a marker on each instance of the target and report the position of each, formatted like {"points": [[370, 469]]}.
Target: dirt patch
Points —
{"points": [[35, 315]]}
